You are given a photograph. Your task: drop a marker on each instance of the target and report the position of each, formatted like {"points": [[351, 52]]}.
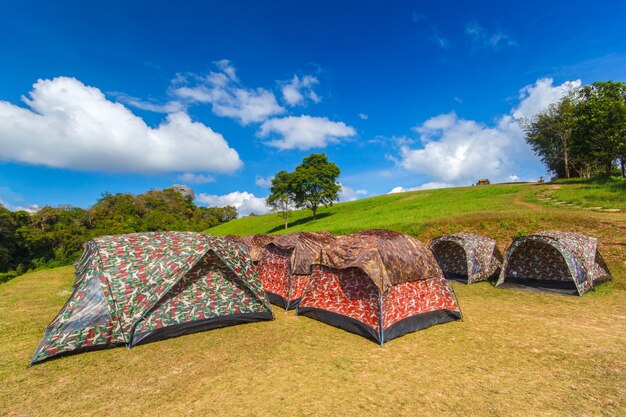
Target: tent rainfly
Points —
{"points": [[467, 257], [378, 284], [254, 243], [553, 261], [143, 287], [285, 265]]}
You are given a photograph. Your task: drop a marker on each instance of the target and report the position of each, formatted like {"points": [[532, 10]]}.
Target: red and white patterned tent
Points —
{"points": [[378, 284], [285, 265]]}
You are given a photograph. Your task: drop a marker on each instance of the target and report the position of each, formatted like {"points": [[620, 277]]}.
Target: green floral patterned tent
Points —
{"points": [[143, 287]]}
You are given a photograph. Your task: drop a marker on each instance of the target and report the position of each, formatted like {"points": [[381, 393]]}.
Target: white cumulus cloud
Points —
{"points": [[427, 186], [304, 132], [538, 96], [68, 124], [458, 151], [363, 116], [350, 194], [243, 201], [228, 98], [455, 149], [298, 90]]}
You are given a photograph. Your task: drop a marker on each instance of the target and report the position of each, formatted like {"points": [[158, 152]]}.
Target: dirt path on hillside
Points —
{"points": [[519, 197], [616, 218]]}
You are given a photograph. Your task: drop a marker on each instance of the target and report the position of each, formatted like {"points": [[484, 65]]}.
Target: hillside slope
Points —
{"points": [[500, 211]]}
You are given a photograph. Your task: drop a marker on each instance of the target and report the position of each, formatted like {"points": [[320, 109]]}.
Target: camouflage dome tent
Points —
{"points": [[467, 257], [285, 265], [552, 261], [143, 287], [378, 284], [254, 243]]}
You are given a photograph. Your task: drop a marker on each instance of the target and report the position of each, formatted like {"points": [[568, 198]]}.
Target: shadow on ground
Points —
{"points": [[299, 222]]}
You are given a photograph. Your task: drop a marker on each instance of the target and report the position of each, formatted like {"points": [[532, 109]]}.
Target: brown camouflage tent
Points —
{"points": [[379, 284], [467, 257], [285, 265], [553, 261], [143, 287], [254, 243]]}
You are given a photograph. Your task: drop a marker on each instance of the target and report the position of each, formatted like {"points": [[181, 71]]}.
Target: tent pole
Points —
{"points": [[457, 302], [381, 321]]}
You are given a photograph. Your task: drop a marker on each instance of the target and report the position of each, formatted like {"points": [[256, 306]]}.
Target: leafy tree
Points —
{"points": [[54, 236], [550, 135], [582, 133], [281, 198], [117, 214], [601, 123], [20, 262], [224, 214], [314, 183], [7, 239]]}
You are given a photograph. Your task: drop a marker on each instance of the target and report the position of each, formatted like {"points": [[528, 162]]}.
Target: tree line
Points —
{"points": [[54, 236], [583, 134]]}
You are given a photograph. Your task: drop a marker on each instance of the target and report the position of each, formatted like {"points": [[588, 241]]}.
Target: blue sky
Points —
{"points": [[129, 96]]}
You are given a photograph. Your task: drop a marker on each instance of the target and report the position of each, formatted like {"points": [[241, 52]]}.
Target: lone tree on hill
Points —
{"points": [[315, 183], [312, 184], [281, 199]]}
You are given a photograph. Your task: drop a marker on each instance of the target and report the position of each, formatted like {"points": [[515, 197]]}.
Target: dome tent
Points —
{"points": [[285, 265], [254, 243], [378, 284], [554, 261], [467, 257], [143, 287]]}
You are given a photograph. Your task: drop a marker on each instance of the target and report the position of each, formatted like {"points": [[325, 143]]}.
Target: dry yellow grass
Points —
{"points": [[515, 354]]}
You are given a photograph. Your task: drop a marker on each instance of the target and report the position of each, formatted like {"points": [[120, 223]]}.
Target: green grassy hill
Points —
{"points": [[514, 354], [402, 212], [500, 211]]}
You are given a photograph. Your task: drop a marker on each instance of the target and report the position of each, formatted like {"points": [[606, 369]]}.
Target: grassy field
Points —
{"points": [[587, 193], [404, 212], [515, 353]]}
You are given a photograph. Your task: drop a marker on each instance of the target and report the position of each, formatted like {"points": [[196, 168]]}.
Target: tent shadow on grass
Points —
{"points": [[299, 222]]}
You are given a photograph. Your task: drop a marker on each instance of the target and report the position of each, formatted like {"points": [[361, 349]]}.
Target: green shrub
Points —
{"points": [[7, 276]]}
